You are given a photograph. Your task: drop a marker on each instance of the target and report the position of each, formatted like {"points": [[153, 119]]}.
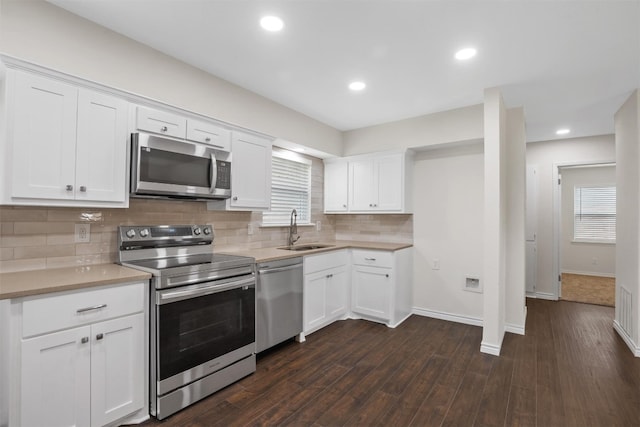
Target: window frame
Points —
{"points": [[297, 158]]}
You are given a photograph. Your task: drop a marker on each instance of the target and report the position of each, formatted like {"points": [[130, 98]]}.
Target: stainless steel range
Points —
{"points": [[202, 314]]}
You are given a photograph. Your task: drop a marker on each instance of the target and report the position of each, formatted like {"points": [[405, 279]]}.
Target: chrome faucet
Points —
{"points": [[293, 228]]}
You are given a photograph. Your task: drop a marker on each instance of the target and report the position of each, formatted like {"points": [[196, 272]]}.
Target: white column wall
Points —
{"points": [[627, 125]]}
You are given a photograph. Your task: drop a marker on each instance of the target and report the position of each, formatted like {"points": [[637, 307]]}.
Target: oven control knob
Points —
{"points": [[144, 232], [197, 231], [207, 231], [131, 233]]}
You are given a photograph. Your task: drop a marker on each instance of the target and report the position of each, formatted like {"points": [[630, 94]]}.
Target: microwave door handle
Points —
{"points": [[214, 173]]}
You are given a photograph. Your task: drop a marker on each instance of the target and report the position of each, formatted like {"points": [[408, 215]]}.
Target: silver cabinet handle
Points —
{"points": [[207, 139], [369, 259], [83, 188], [95, 307], [69, 187], [329, 276], [386, 275], [84, 340], [235, 197], [164, 129], [99, 336], [370, 205]]}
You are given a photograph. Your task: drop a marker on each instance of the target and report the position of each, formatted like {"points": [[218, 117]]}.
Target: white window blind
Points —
{"points": [[594, 213], [290, 189]]}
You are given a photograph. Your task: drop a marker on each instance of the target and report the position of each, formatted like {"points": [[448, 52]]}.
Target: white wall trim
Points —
{"points": [[543, 295], [635, 348], [458, 318], [490, 349], [514, 329], [589, 273]]}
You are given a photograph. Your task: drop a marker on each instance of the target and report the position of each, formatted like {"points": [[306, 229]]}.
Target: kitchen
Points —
{"points": [[232, 228]]}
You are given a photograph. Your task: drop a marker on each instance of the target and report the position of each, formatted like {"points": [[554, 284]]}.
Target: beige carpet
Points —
{"points": [[589, 289]]}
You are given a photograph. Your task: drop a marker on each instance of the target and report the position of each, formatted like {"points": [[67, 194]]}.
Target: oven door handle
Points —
{"points": [[167, 297], [214, 173]]}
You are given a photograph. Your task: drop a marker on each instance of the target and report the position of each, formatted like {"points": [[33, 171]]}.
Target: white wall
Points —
{"points": [[495, 221], [627, 125], [546, 155], [597, 259], [39, 32], [462, 124], [448, 227], [515, 301]]}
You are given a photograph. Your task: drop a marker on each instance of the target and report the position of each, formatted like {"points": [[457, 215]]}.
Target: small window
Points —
{"points": [[594, 214], [290, 189]]}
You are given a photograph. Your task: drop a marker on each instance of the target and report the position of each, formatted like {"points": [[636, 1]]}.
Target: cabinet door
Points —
{"points": [[55, 379], [337, 293], [388, 181], [161, 122], [117, 368], [361, 191], [210, 134], [371, 291], [336, 180], [250, 172], [43, 138], [101, 154], [315, 304]]}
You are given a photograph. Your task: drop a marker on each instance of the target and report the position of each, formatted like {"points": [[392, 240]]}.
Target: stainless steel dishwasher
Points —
{"points": [[278, 302]]}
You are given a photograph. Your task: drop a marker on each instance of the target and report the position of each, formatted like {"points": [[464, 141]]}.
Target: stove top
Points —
{"points": [[184, 264]]}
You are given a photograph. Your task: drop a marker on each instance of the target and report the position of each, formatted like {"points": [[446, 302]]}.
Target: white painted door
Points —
{"points": [[250, 171], [371, 291], [361, 185], [315, 303], [337, 293], [117, 368], [43, 135], [55, 383], [388, 179], [101, 154], [336, 184]]}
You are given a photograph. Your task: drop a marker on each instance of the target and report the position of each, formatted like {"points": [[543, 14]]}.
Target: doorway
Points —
{"points": [[585, 238]]}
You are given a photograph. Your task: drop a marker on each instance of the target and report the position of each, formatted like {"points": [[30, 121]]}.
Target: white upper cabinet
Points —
{"points": [[210, 134], [68, 144], [336, 175], [376, 183], [250, 174], [162, 122]]}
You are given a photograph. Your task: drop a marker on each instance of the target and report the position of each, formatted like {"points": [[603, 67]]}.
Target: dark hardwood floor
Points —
{"points": [[570, 369]]}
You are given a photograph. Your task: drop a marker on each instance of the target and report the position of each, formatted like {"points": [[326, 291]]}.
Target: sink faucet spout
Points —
{"points": [[293, 228]]}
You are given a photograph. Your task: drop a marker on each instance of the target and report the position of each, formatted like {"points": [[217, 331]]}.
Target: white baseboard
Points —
{"points": [[514, 329], [543, 295], [490, 349], [635, 348], [467, 320]]}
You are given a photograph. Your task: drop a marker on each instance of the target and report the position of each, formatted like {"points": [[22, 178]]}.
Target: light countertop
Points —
{"points": [[272, 254], [35, 282]]}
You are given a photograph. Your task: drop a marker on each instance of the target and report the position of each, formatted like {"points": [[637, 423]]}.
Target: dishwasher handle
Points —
{"points": [[278, 269]]}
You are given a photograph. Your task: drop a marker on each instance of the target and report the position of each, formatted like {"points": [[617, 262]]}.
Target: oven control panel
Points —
{"points": [[163, 233]]}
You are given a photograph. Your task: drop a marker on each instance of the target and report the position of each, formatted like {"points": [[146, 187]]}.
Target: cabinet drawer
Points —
{"points": [[161, 122], [59, 311], [324, 261], [372, 258], [210, 134]]}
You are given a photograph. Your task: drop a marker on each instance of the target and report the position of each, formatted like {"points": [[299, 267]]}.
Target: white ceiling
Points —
{"points": [[568, 63]]}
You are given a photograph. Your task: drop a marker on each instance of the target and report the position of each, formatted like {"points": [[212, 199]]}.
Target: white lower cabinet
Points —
{"points": [[381, 286], [326, 289], [93, 372]]}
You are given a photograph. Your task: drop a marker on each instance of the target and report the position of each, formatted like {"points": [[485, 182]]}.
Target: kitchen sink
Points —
{"points": [[307, 247]]}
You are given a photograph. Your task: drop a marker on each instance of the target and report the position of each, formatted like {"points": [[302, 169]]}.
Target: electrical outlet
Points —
{"points": [[250, 229], [83, 233], [436, 264], [318, 226]]}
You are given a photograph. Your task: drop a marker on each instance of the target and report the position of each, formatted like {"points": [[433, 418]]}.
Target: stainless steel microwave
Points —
{"points": [[171, 168]]}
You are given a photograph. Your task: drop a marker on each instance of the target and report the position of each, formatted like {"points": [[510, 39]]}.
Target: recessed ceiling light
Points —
{"points": [[563, 131], [357, 86], [271, 23], [466, 53]]}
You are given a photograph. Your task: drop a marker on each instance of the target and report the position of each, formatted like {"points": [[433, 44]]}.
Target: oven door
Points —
{"points": [[200, 329], [166, 167]]}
